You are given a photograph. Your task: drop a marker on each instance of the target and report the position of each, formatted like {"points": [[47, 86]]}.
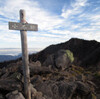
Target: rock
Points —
{"points": [[72, 79], [57, 90], [35, 64], [5, 75], [15, 95], [45, 88], [91, 96], [16, 75], [60, 60], [36, 79], [10, 85], [33, 90], [35, 67], [82, 88], [49, 61], [65, 90], [91, 84], [13, 67], [39, 70], [46, 97], [81, 77], [89, 76], [63, 59], [38, 96], [98, 96], [1, 96], [35, 94]]}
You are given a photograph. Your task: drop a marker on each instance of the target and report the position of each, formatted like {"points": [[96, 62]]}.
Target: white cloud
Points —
{"points": [[74, 21], [96, 23], [33, 13], [75, 8]]}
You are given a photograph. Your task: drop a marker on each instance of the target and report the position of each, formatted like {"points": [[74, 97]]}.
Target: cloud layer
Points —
{"points": [[78, 18]]}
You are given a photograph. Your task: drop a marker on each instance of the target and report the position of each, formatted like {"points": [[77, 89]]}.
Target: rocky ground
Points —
{"points": [[55, 78]]}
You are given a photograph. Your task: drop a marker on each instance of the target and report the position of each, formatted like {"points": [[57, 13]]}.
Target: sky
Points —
{"points": [[58, 21]]}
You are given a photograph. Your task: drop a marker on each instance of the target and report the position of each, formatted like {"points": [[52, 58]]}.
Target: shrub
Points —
{"points": [[70, 55], [97, 74]]}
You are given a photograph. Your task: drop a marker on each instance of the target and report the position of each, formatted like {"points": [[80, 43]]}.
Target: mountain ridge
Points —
{"points": [[54, 75], [86, 52], [83, 50]]}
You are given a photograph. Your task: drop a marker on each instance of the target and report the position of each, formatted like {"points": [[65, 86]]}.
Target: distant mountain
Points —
{"points": [[11, 54], [86, 52], [8, 57]]}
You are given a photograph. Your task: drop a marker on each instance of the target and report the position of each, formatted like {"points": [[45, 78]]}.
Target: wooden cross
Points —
{"points": [[23, 26]]}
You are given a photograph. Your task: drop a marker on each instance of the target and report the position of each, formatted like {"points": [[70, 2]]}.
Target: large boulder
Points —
{"points": [[60, 60], [63, 58], [36, 68], [65, 90]]}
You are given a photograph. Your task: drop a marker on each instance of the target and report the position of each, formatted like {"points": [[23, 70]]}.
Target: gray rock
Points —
{"points": [[33, 90], [15, 95], [36, 79], [35, 94], [72, 79], [1, 96], [65, 90], [59, 60], [40, 70], [10, 84], [98, 96], [92, 96], [49, 61], [62, 61], [38, 96], [83, 88], [57, 90], [5, 75], [37, 63], [81, 77]]}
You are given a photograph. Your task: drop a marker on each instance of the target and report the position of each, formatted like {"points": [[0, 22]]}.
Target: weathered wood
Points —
{"points": [[23, 26], [25, 58]]}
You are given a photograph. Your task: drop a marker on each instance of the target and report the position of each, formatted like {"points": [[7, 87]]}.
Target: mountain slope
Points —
{"points": [[54, 83], [86, 52]]}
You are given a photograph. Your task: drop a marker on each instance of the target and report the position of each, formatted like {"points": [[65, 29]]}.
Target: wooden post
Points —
{"points": [[23, 27], [25, 57]]}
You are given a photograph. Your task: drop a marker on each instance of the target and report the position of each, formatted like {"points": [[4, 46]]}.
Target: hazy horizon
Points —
{"points": [[17, 51]]}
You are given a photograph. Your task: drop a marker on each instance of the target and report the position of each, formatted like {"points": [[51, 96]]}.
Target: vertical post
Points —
{"points": [[25, 60]]}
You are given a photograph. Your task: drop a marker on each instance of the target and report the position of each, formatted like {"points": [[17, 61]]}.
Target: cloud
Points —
{"points": [[76, 8], [82, 21], [34, 13], [9, 11], [78, 19]]}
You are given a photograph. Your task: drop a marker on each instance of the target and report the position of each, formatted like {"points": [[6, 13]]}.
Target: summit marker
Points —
{"points": [[23, 26]]}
